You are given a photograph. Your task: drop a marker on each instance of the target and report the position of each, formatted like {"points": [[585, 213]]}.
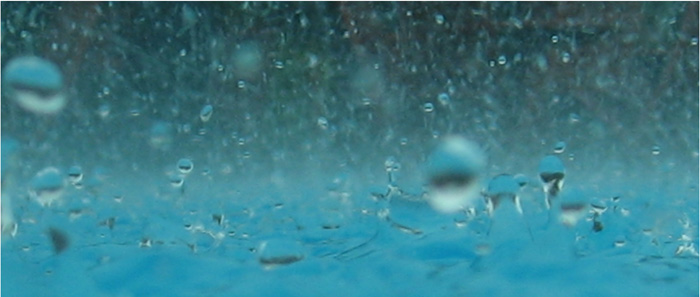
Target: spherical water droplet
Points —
{"points": [[439, 19], [47, 186], [656, 150], [75, 174], [322, 123], [566, 57], [555, 38], [206, 112], [428, 107], [185, 165], [453, 170], [35, 84], [444, 99], [559, 147], [502, 60]]}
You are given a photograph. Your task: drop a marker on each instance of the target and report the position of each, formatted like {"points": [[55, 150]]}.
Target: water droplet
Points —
{"points": [[366, 101], [47, 186], [694, 41], [656, 150], [428, 107], [103, 110], [444, 99], [220, 68], [183, 52], [279, 64], [555, 38], [492, 63], [559, 147], [552, 172], [404, 141], [105, 90], [453, 170], [161, 136], [503, 187], [241, 84], [35, 84], [278, 252], [502, 60], [574, 118], [322, 123], [177, 181], [135, 112], [391, 164], [185, 165], [439, 19], [75, 174], [566, 57], [206, 112]]}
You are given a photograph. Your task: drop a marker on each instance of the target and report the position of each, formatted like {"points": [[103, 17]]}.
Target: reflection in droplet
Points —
{"points": [[35, 84]]}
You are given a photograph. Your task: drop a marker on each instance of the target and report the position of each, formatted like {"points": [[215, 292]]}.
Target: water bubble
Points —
{"points": [[403, 141], [502, 60], [453, 170], [552, 172], [439, 19], [444, 99], [206, 112], [555, 38], [566, 57], [574, 118], [75, 174], [428, 107], [185, 165], [656, 150], [47, 186], [322, 123], [559, 147], [35, 84]]}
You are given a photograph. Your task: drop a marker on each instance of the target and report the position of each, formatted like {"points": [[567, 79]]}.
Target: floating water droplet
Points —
{"points": [[47, 186], [453, 170], [404, 141], [559, 147], [206, 112], [656, 150], [35, 84], [502, 60], [492, 63], [439, 19], [185, 165], [555, 38], [103, 110], [322, 123], [574, 118], [176, 181], [443, 99], [135, 112], [428, 107], [220, 68], [75, 174]]}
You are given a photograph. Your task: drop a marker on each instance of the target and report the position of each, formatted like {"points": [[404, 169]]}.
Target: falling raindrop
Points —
{"points": [[428, 107], [35, 84], [206, 112], [47, 186], [559, 147], [185, 165], [453, 170]]}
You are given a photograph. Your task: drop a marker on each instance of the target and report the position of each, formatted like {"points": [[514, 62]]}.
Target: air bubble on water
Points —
{"points": [[75, 174], [443, 99], [35, 84], [439, 19], [185, 165], [453, 171], [655, 150], [566, 57], [559, 147], [555, 38], [502, 60], [322, 122], [206, 112], [428, 107], [47, 186]]}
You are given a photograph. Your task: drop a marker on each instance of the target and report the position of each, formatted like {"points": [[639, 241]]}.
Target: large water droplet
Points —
{"points": [[34, 84], [47, 186], [206, 112]]}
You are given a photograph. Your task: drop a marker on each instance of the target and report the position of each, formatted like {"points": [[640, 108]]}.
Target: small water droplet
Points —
{"points": [[404, 141], [241, 84], [694, 41], [444, 99], [574, 118], [492, 63], [185, 165], [176, 181], [366, 101], [656, 150], [566, 57], [279, 64], [183, 52], [555, 38], [103, 110], [47, 186], [439, 19], [206, 112], [502, 60], [428, 107], [105, 90], [75, 174], [135, 112], [220, 68], [391, 164], [559, 147], [322, 123]]}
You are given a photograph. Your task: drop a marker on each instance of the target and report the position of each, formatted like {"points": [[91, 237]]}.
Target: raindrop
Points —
{"points": [[566, 57], [502, 60], [656, 150], [453, 170], [428, 107], [404, 141], [439, 19], [552, 174], [220, 68], [503, 187], [35, 84], [206, 112], [135, 112], [574, 118], [322, 123], [47, 186], [559, 147], [75, 174], [694, 41], [185, 165], [241, 84], [492, 63], [555, 38], [279, 64], [391, 164], [444, 99]]}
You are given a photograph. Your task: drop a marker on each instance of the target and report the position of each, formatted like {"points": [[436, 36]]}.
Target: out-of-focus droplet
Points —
{"points": [[75, 174], [439, 19], [559, 147], [571, 213], [35, 84], [428, 107], [161, 136], [47, 186], [555, 38], [656, 150], [322, 123], [279, 64], [566, 57], [104, 110], [453, 171], [185, 165], [443, 99], [366, 101], [403, 141], [241, 84], [206, 112], [694, 41]]}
